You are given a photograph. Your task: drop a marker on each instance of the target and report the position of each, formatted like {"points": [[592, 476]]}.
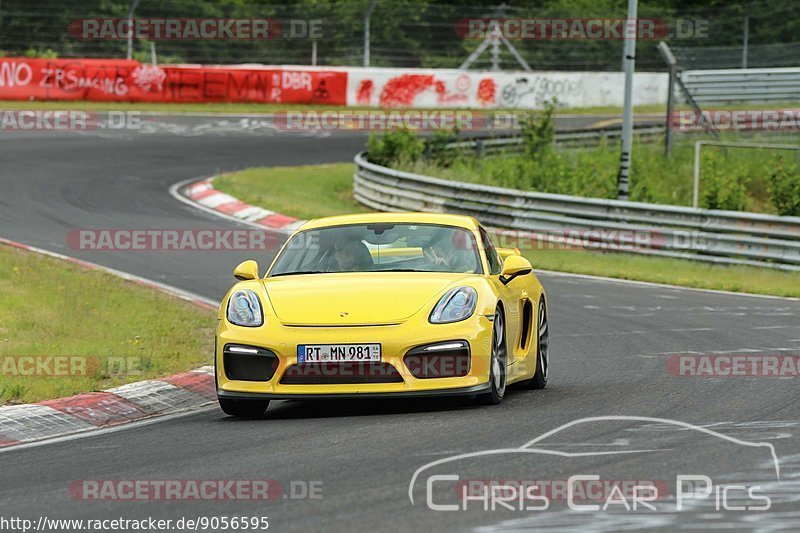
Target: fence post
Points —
{"points": [[129, 54]]}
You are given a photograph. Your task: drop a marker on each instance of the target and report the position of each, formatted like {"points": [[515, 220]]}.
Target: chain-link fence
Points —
{"points": [[413, 33]]}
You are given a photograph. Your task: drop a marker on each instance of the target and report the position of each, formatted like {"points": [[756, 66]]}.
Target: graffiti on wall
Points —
{"points": [[531, 90], [124, 80]]}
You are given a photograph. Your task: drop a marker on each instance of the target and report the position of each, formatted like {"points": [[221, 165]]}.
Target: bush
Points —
{"points": [[436, 148], [722, 188], [43, 54], [784, 188], [401, 146], [538, 133]]}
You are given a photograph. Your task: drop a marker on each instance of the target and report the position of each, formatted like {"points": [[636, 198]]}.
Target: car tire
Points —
{"points": [[498, 369], [539, 379], [243, 408]]}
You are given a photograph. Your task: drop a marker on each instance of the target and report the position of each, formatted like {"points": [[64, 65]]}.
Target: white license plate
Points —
{"points": [[338, 353]]}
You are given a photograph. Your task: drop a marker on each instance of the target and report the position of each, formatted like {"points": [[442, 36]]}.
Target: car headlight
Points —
{"points": [[244, 309], [456, 305]]}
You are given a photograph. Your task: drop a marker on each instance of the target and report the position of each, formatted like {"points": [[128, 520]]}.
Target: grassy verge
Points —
{"points": [[229, 107], [304, 192], [105, 330], [670, 271], [322, 190], [732, 179]]}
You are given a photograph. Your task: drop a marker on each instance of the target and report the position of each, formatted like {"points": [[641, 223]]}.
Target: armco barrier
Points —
{"points": [[579, 137], [119, 80], [727, 237], [743, 85]]}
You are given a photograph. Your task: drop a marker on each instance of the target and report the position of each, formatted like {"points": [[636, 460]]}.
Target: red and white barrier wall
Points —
{"points": [[475, 89], [131, 81], [117, 80]]}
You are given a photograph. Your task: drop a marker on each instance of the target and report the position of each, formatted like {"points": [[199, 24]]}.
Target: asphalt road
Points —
{"points": [[610, 343]]}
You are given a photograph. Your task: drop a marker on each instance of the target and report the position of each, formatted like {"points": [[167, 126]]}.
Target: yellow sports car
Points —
{"points": [[381, 304]]}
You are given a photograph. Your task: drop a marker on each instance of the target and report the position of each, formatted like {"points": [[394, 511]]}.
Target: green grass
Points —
{"points": [[228, 107], [303, 192], [50, 307], [322, 190], [732, 178], [669, 271]]}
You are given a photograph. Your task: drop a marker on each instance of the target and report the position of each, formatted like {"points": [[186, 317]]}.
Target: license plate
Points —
{"points": [[338, 353]]}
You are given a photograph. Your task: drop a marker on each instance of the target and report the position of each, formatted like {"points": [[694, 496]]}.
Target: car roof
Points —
{"points": [[461, 221]]}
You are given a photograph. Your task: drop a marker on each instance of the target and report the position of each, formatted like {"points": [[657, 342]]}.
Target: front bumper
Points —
{"points": [[396, 341], [464, 391]]}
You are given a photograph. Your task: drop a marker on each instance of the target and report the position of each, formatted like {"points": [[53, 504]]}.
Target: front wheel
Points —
{"points": [[498, 362], [539, 379], [243, 408]]}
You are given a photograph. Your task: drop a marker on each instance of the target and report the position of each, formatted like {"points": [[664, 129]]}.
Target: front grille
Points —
{"points": [[441, 360], [340, 374], [242, 366]]}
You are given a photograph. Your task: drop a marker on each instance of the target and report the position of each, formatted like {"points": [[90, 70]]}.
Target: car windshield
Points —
{"points": [[380, 247]]}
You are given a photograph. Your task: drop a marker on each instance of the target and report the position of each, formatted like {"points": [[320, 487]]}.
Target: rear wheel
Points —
{"points": [[243, 408], [539, 379], [498, 362]]}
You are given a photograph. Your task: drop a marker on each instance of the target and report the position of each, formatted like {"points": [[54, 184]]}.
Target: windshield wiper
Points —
{"points": [[398, 270], [297, 272]]}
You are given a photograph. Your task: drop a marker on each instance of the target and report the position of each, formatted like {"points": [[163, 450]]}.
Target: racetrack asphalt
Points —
{"points": [[610, 343]]}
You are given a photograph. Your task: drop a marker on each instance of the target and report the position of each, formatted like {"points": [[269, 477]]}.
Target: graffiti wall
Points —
{"points": [[131, 81], [453, 88]]}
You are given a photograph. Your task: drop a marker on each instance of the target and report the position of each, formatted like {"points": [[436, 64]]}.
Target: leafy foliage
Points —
{"points": [[784, 188], [399, 146], [721, 186]]}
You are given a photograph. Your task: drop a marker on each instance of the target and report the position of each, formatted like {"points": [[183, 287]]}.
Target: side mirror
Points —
{"points": [[506, 252], [246, 270], [513, 266]]}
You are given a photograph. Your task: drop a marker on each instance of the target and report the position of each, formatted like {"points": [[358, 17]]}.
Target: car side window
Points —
{"points": [[495, 266]]}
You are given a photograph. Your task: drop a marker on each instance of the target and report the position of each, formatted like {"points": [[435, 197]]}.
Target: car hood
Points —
{"points": [[348, 299]]}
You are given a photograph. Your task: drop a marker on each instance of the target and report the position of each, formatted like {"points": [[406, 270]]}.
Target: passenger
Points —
{"points": [[450, 255]]}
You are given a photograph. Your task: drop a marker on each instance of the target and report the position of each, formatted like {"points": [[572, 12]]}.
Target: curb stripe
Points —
{"points": [[158, 397], [276, 221], [202, 192], [217, 199], [199, 383], [33, 421], [100, 409], [233, 207]]}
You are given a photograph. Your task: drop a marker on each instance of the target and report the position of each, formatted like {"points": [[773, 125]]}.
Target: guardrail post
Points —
{"points": [[696, 187], [479, 148], [672, 63]]}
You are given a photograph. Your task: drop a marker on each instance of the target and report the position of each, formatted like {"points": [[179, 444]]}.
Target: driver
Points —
{"points": [[351, 256]]}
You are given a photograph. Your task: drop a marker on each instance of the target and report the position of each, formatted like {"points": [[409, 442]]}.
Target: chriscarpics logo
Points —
{"points": [[642, 471]]}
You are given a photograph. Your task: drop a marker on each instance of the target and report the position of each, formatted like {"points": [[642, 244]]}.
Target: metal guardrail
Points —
{"points": [[583, 137], [727, 237], [743, 85]]}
